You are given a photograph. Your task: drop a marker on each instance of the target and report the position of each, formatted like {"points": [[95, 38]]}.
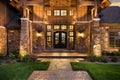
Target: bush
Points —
{"points": [[92, 58], [28, 58], [1, 56], [106, 53], [104, 59], [11, 56], [113, 53], [114, 59], [0, 62], [16, 54]]}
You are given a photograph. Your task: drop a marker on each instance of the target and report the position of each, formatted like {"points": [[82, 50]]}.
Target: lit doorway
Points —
{"points": [[60, 40]]}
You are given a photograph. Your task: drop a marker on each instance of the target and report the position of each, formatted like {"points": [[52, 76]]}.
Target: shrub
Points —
{"points": [[1, 56], [92, 58], [11, 56], [0, 62], [106, 53], [118, 54], [28, 58], [114, 59], [104, 59], [113, 53], [16, 54]]}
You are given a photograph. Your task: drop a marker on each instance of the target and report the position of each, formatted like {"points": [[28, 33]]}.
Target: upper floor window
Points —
{"points": [[63, 12], [56, 12], [71, 13], [48, 12]]}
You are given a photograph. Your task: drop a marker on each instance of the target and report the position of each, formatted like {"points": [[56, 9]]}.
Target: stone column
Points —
{"points": [[30, 36], [24, 37], [96, 36]]}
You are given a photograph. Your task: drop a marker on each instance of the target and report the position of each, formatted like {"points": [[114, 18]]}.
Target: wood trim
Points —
{"points": [[34, 3]]}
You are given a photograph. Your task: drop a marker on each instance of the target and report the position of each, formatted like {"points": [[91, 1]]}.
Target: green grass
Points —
{"points": [[21, 71], [99, 71]]}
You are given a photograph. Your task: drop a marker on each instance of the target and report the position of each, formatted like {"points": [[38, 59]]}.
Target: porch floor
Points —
{"points": [[60, 54]]}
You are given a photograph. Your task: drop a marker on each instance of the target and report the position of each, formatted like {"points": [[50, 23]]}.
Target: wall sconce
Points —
{"points": [[81, 35], [39, 34]]}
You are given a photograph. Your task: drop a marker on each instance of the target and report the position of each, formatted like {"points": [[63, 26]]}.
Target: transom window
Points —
{"points": [[114, 38], [56, 27], [60, 12]]}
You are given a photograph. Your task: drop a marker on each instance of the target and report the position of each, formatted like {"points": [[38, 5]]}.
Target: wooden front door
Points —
{"points": [[60, 39]]}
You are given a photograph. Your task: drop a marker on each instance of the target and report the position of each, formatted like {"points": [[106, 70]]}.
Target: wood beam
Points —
{"points": [[88, 3], [34, 3]]}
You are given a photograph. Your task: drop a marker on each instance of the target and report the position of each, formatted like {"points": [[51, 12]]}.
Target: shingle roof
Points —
{"points": [[110, 15], [14, 23]]}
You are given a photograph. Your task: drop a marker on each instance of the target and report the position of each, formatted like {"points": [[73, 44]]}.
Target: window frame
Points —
{"points": [[48, 13], [62, 13], [57, 12]]}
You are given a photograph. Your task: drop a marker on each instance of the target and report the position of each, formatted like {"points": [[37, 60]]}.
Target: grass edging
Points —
{"points": [[98, 71], [21, 71]]}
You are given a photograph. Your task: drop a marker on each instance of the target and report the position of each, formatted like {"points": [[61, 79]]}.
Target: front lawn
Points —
{"points": [[21, 71], [99, 71]]}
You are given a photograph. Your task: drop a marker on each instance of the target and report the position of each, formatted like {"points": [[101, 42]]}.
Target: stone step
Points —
{"points": [[61, 56]]}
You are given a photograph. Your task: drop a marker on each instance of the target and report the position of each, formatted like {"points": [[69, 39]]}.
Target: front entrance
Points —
{"points": [[60, 39]]}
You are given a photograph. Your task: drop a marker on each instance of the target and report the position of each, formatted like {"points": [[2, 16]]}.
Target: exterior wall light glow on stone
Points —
{"points": [[81, 35], [39, 34]]}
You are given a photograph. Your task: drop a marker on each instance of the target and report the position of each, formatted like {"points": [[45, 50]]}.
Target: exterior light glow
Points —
{"points": [[81, 35], [39, 34]]}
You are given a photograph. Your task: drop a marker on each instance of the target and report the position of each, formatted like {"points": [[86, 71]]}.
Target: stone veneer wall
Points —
{"points": [[38, 42], [3, 40], [13, 40], [82, 43], [104, 38]]}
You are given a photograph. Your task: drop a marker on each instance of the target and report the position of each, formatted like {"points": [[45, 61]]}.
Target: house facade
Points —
{"points": [[48, 25]]}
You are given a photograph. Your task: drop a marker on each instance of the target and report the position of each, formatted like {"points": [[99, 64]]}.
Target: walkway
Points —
{"points": [[60, 69]]}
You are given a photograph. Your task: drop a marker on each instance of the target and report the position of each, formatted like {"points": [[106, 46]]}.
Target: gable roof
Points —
{"points": [[110, 15]]}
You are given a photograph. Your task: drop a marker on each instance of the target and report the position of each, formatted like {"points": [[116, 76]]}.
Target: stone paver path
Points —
{"points": [[60, 69]]}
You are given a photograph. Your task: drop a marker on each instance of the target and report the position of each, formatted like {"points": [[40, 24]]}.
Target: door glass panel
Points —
{"points": [[63, 27], [56, 38], [63, 36]]}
